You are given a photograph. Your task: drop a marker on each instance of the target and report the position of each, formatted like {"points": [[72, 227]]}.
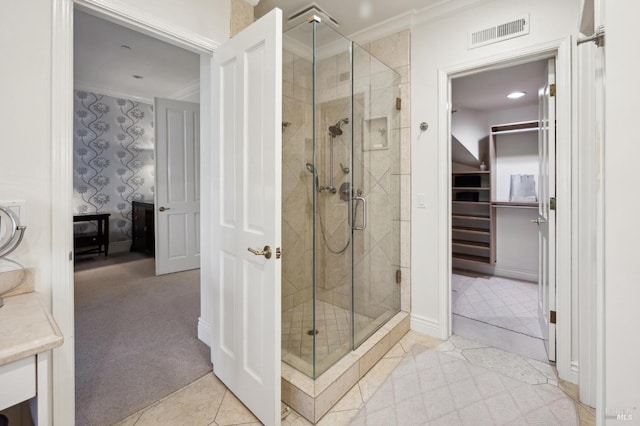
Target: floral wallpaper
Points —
{"points": [[113, 159]]}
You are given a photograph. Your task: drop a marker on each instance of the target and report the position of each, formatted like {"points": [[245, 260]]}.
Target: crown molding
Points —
{"points": [[83, 85], [443, 9], [411, 18], [385, 28], [188, 91]]}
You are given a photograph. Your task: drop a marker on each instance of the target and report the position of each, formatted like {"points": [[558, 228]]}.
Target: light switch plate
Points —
{"points": [[421, 200]]}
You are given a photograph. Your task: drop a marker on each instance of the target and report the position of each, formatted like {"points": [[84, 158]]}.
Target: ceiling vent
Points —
{"points": [[494, 34], [312, 9]]}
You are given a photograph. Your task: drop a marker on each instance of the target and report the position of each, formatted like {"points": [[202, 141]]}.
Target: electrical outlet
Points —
{"points": [[16, 206]]}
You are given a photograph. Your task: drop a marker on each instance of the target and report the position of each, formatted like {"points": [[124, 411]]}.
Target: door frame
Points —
{"points": [[566, 216], [62, 284]]}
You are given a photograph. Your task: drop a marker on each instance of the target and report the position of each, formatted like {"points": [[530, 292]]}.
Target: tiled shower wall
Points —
{"points": [[394, 51], [333, 92], [297, 182]]}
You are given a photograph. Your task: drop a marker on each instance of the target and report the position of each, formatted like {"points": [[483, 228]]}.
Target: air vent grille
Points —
{"points": [[494, 34]]}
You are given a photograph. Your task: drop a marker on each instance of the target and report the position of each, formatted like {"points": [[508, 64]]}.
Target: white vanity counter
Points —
{"points": [[26, 328], [27, 335]]}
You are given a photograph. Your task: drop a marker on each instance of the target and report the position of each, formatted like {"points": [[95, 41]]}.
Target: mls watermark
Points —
{"points": [[624, 414]]}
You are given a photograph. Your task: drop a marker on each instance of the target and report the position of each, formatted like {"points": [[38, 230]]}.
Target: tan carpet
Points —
{"points": [[136, 336]]}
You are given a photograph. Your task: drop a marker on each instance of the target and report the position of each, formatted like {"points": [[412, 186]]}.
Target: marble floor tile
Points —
{"points": [[506, 363], [196, 404], [501, 302], [462, 382], [414, 338], [454, 391], [233, 412], [508, 340]]}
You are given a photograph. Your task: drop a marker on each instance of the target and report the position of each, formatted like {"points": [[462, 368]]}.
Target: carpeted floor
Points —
{"points": [[136, 336]]}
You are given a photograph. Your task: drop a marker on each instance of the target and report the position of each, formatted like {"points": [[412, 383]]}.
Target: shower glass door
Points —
{"points": [[333, 127], [376, 182], [340, 214]]}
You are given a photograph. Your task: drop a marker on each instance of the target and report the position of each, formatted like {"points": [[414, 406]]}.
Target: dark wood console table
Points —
{"points": [[94, 242], [142, 228]]}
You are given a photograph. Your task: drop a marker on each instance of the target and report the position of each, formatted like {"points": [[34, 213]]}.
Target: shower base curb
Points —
{"points": [[312, 399]]}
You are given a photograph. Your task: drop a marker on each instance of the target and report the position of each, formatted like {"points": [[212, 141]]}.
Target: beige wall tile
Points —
{"points": [[392, 50], [302, 403], [336, 391], [405, 290], [241, 16]]}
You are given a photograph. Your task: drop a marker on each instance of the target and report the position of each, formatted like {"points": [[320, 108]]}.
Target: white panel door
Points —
{"points": [[177, 201], [246, 181], [546, 216]]}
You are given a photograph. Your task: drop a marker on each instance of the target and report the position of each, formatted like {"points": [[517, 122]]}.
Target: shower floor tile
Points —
{"points": [[333, 324]]}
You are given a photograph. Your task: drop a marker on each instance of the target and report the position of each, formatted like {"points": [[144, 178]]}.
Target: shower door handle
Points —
{"points": [[364, 213]]}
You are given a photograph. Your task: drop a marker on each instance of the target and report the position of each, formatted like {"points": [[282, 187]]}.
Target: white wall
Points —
{"points": [[440, 44], [470, 127], [621, 150], [25, 153], [513, 115]]}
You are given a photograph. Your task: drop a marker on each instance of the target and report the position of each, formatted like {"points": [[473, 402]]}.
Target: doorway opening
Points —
{"points": [[499, 184], [131, 95]]}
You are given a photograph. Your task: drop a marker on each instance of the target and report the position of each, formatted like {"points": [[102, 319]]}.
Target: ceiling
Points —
{"points": [[101, 62], [353, 15], [487, 91]]}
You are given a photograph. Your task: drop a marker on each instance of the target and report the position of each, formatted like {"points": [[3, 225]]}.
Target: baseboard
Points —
{"points": [[204, 331], [516, 274], [574, 375], [120, 246], [426, 326], [500, 271]]}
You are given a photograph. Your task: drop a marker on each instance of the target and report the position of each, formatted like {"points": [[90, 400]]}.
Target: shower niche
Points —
{"points": [[340, 211], [376, 132]]}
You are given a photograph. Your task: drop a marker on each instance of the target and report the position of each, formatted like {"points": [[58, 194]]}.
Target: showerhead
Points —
{"points": [[336, 130], [311, 169]]}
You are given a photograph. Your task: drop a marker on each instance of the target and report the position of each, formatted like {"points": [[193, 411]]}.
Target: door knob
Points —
{"points": [[164, 208], [266, 252]]}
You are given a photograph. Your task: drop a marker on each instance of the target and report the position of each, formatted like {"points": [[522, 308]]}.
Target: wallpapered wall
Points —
{"points": [[113, 159]]}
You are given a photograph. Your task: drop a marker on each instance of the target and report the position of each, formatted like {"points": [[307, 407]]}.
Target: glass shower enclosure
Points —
{"points": [[341, 196]]}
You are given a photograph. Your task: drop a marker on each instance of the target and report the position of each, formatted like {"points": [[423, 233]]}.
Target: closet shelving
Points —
{"points": [[472, 217], [508, 129]]}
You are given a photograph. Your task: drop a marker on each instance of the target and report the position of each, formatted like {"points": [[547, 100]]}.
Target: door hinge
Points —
{"points": [[552, 89], [552, 203], [552, 317], [398, 104], [70, 256], [398, 276], [597, 37]]}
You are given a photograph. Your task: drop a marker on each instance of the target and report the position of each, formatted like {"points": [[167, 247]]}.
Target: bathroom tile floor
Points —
{"points": [[501, 302], [208, 402]]}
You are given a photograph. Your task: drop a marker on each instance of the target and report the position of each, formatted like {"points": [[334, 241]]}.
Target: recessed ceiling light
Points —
{"points": [[124, 46], [516, 95], [139, 77]]}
